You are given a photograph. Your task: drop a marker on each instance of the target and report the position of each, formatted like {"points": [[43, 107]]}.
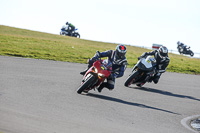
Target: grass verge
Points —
{"points": [[38, 45]]}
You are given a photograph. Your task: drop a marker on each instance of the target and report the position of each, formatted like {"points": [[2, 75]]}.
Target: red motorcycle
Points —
{"points": [[96, 75]]}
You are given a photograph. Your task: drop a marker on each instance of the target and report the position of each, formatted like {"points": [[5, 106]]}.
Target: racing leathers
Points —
{"points": [[71, 28], [161, 66]]}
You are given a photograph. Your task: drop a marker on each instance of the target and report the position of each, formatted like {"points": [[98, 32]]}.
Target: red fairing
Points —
{"points": [[97, 65]]}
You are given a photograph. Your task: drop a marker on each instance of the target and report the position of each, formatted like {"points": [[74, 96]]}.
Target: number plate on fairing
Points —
{"points": [[102, 68]]}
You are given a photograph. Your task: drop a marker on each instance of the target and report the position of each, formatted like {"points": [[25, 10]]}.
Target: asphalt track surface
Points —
{"points": [[39, 96]]}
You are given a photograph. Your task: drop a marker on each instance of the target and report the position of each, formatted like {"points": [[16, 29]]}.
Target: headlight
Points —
{"points": [[95, 70], [101, 75]]}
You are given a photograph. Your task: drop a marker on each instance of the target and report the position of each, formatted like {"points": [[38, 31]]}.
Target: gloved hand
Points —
{"points": [[88, 61], [139, 57], [95, 58]]}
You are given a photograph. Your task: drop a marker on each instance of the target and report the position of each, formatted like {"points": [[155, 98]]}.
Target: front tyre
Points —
{"points": [[86, 84], [131, 78], [191, 54], [78, 35]]}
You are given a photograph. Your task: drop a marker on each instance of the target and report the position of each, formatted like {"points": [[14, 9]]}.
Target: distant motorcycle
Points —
{"points": [[142, 72], [96, 75], [184, 50], [67, 33]]}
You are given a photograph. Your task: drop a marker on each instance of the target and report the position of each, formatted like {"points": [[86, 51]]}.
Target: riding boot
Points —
{"points": [[150, 80], [156, 78], [100, 88]]}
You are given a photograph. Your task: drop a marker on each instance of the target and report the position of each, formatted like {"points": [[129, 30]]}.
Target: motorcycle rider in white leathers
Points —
{"points": [[162, 61]]}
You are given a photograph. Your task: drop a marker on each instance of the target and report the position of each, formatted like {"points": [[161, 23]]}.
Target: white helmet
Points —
{"points": [[163, 52]]}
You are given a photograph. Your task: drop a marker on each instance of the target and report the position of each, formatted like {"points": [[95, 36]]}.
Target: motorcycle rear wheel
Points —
{"points": [[131, 78], [86, 84]]}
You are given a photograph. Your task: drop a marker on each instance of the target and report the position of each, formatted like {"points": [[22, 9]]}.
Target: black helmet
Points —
{"points": [[120, 51], [163, 52], [67, 23]]}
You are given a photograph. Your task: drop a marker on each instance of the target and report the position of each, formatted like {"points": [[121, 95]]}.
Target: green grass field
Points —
{"points": [[38, 45]]}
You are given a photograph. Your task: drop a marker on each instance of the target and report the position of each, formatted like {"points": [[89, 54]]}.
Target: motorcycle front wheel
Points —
{"points": [[131, 79], [191, 54], [77, 35], [86, 84]]}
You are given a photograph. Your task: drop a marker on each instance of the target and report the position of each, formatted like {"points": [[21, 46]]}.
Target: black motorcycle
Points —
{"points": [[68, 33], [182, 49], [142, 72]]}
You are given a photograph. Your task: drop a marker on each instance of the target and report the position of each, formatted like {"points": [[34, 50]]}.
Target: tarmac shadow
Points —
{"points": [[128, 103], [162, 92]]}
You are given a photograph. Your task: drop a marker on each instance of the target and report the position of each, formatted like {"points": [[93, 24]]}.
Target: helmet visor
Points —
{"points": [[119, 54], [163, 54]]}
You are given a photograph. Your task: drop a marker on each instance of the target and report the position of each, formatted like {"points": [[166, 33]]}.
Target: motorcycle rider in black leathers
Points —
{"points": [[119, 64], [162, 61]]}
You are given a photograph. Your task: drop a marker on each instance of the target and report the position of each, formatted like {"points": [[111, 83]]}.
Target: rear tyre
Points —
{"points": [[86, 84], [131, 78]]}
